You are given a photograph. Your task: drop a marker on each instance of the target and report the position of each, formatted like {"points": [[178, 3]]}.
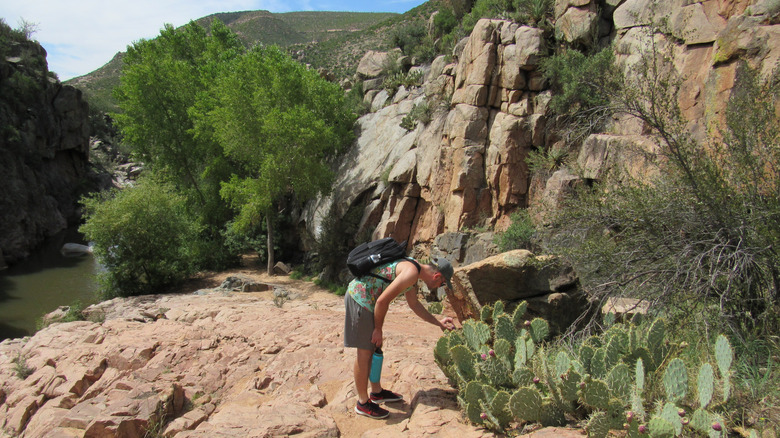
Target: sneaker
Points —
{"points": [[385, 396], [371, 410]]}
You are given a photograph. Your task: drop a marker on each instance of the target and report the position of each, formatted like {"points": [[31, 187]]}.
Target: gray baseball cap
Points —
{"points": [[444, 266]]}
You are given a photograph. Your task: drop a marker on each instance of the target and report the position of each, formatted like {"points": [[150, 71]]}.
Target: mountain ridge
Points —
{"points": [[299, 30]]}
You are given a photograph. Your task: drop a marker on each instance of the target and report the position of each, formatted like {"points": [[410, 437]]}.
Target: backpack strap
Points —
{"points": [[408, 259]]}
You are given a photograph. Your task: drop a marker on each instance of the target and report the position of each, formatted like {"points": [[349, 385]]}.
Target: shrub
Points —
{"points": [[580, 84], [145, 237], [421, 112], [702, 236], [519, 233]]}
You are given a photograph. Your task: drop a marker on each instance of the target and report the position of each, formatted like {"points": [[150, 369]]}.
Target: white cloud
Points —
{"points": [[81, 36]]}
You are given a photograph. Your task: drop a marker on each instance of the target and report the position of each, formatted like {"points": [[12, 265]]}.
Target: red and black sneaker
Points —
{"points": [[371, 409], [385, 396]]}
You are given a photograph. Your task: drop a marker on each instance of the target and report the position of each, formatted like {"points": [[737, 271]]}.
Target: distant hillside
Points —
{"points": [[334, 40]]}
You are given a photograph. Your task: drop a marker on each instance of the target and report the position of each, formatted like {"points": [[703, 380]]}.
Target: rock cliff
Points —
{"points": [[466, 169], [43, 149]]}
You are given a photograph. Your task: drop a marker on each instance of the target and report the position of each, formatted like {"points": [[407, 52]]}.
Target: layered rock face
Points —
{"points": [[43, 151], [466, 168]]}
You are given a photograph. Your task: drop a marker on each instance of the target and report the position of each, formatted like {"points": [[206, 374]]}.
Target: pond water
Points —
{"points": [[47, 279]]}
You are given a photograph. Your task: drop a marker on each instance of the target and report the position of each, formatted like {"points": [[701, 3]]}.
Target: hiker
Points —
{"points": [[367, 301]]}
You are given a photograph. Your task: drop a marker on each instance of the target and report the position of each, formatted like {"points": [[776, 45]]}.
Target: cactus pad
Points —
{"points": [[586, 354], [656, 335], [519, 313], [619, 381], [505, 329], [639, 374], [477, 334], [562, 363], [596, 394], [705, 385], [498, 309], [464, 362], [724, 355], [660, 428], [442, 351], [540, 329], [523, 376], [486, 313], [598, 425], [675, 380], [526, 404]]}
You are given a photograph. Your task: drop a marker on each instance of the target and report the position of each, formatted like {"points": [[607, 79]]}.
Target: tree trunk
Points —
{"points": [[271, 261]]}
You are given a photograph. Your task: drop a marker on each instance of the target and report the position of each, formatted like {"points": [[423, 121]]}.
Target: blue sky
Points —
{"points": [[81, 36]]}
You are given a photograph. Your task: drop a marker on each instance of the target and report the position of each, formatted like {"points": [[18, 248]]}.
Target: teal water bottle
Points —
{"points": [[376, 366]]}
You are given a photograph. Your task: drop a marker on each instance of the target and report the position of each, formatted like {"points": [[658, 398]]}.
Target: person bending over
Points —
{"points": [[367, 301]]}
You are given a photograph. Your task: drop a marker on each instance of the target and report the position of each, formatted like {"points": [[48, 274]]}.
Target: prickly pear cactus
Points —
{"points": [[598, 425], [526, 404], [522, 376], [495, 371], [497, 410], [586, 354], [441, 352], [498, 309], [660, 428], [505, 329], [675, 380], [705, 385], [540, 329], [477, 334], [619, 382], [486, 313], [569, 385], [464, 362], [656, 335], [519, 313], [598, 368], [724, 355], [596, 394], [503, 351]]}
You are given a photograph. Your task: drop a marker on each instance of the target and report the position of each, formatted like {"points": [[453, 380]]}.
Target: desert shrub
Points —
{"points": [[409, 36], [486, 9], [580, 84], [409, 79], [534, 12], [519, 233], [421, 112], [145, 237], [702, 235]]}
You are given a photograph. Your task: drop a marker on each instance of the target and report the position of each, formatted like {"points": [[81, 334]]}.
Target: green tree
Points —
{"points": [[164, 81], [145, 236], [282, 123]]}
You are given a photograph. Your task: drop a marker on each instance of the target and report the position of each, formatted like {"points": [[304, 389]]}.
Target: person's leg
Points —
{"points": [[362, 369]]}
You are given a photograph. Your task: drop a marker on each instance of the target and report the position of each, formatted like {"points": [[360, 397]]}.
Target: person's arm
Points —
{"points": [[420, 310], [406, 275]]}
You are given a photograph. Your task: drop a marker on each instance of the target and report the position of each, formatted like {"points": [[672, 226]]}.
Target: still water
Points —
{"points": [[47, 279]]}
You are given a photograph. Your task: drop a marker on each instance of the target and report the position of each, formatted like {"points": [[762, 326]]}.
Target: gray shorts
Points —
{"points": [[358, 325]]}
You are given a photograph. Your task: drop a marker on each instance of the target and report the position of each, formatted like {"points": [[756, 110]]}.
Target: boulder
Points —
{"points": [[75, 250], [550, 287], [374, 64]]}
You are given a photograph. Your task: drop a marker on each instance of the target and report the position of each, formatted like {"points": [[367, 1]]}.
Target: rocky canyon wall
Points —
{"points": [[466, 168], [43, 151]]}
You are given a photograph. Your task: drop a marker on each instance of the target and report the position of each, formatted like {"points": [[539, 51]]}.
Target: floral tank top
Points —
{"points": [[367, 289]]}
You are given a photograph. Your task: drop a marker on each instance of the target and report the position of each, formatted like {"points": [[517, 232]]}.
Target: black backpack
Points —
{"points": [[367, 256]]}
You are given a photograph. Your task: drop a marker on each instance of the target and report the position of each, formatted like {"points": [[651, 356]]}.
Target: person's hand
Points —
{"points": [[447, 323], [376, 337]]}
